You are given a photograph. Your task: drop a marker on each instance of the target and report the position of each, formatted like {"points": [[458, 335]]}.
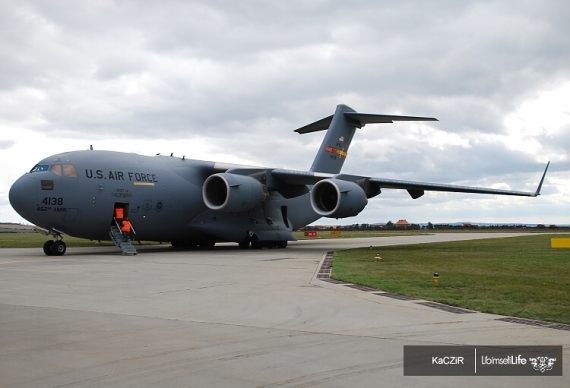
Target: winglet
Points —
{"points": [[537, 192]]}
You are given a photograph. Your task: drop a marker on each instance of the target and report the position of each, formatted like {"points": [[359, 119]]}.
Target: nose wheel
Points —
{"points": [[55, 247]]}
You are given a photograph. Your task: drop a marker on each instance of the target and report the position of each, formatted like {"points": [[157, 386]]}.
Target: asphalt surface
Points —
{"points": [[227, 318]]}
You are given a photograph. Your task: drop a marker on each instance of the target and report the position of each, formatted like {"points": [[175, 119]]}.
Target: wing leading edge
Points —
{"points": [[415, 189]]}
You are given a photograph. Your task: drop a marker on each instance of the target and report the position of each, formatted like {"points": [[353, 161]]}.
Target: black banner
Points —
{"points": [[482, 360]]}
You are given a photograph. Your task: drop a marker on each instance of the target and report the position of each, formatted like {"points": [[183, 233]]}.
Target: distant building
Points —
{"points": [[402, 224]]}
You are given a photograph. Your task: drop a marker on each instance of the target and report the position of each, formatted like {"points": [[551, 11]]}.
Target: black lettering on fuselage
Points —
{"points": [[142, 177], [116, 175], [104, 174], [120, 176]]}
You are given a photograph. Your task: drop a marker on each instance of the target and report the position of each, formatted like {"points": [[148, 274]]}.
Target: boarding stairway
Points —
{"points": [[122, 241]]}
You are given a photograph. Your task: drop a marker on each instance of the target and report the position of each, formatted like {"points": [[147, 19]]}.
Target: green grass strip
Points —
{"points": [[516, 276]]}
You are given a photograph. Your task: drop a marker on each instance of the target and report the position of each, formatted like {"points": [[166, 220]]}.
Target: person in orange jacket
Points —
{"points": [[126, 227]]}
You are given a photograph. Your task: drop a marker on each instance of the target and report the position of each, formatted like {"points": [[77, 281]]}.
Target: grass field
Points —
{"points": [[516, 276]]}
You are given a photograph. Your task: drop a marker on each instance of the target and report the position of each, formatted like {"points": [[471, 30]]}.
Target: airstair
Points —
{"points": [[122, 241]]}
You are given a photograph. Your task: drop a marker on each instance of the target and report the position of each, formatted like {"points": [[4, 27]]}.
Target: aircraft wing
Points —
{"points": [[372, 186]]}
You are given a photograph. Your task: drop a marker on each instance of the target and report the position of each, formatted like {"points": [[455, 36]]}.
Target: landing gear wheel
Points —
{"points": [[281, 244], [47, 247], [244, 245], [58, 248]]}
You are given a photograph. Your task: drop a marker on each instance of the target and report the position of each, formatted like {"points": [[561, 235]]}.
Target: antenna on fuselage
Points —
{"points": [[91, 147]]}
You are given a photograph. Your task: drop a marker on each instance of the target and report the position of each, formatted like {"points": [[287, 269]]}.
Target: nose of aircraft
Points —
{"points": [[22, 196]]}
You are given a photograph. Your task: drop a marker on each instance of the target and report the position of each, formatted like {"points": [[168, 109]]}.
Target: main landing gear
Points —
{"points": [[56, 246]]}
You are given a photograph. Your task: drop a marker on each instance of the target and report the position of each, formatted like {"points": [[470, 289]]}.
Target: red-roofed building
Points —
{"points": [[402, 224]]}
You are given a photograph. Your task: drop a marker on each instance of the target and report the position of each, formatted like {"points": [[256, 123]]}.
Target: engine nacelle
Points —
{"points": [[232, 193], [335, 198]]}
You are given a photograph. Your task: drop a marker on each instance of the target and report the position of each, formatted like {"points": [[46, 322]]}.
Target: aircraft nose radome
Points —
{"points": [[22, 196]]}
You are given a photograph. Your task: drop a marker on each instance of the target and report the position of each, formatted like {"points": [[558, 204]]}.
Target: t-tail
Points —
{"points": [[341, 127]]}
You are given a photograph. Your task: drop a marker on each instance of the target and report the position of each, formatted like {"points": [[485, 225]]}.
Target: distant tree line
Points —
{"points": [[429, 226]]}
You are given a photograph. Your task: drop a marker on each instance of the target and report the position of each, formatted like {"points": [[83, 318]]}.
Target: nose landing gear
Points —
{"points": [[56, 246]]}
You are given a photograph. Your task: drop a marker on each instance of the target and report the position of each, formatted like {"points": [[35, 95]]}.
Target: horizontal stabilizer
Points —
{"points": [[366, 118], [361, 120]]}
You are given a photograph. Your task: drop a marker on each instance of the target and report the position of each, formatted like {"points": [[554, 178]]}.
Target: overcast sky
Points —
{"points": [[230, 80]]}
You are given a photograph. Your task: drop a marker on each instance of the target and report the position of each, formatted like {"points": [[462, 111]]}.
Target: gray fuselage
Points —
{"points": [[76, 193]]}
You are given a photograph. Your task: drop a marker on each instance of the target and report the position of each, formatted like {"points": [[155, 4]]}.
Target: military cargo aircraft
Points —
{"points": [[194, 203]]}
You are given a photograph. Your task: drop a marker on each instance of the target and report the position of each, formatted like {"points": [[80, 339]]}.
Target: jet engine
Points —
{"points": [[335, 198], [232, 193]]}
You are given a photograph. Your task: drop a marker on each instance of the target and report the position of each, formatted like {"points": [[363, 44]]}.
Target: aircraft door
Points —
{"points": [[70, 215], [120, 211]]}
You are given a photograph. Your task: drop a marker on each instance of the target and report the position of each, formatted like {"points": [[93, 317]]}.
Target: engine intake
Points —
{"points": [[232, 193], [335, 198]]}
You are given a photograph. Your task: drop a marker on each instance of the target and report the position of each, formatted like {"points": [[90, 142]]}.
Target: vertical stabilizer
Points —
{"points": [[333, 150]]}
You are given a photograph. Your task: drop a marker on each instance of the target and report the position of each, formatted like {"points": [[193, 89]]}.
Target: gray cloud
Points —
{"points": [[4, 145]]}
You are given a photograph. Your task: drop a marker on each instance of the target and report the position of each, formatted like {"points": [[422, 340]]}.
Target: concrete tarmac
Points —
{"points": [[227, 318]]}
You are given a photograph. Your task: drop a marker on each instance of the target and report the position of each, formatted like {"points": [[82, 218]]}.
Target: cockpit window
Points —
{"points": [[56, 169], [69, 170], [40, 167]]}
